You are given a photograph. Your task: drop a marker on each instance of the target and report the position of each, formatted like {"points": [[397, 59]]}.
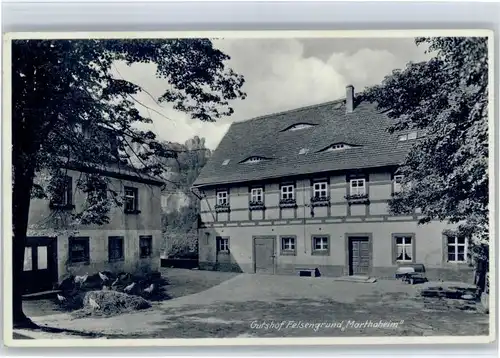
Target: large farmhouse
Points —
{"points": [[309, 188]]}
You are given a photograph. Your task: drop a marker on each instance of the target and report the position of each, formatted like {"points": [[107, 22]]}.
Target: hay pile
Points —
{"points": [[110, 303]]}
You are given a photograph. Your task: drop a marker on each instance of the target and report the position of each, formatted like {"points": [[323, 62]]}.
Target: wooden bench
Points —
{"points": [[308, 272]]}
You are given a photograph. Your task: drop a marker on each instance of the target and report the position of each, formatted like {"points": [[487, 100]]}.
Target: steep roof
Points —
{"points": [[365, 129]]}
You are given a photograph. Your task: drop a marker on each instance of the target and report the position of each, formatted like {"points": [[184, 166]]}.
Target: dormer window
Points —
{"points": [[298, 126], [336, 147], [254, 160], [408, 136], [225, 162], [303, 151]]}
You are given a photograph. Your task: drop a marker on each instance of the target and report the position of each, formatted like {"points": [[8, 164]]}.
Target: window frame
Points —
{"points": [[149, 239], [285, 251], [218, 197], [254, 196], [85, 240], [396, 187], [135, 197], [315, 190], [292, 192], [111, 241], [322, 251], [456, 253], [218, 241], [66, 201], [412, 244], [351, 187]]}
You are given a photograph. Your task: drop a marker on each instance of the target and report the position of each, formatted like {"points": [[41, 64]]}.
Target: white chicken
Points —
{"points": [[150, 289], [105, 288], [103, 276], [61, 298], [94, 304], [80, 280], [115, 282], [129, 288]]}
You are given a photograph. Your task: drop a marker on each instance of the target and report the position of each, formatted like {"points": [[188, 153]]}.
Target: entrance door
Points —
{"points": [[359, 255], [264, 254], [40, 264]]}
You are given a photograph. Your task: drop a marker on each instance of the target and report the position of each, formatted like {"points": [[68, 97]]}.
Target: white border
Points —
{"points": [[7, 195]]}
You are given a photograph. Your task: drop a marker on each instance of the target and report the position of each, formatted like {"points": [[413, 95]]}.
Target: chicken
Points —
{"points": [[81, 279], [94, 304], [129, 288], [150, 289], [115, 282], [105, 288], [61, 298], [103, 277]]}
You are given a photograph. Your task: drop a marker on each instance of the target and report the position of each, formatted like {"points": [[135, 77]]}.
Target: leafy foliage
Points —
{"points": [[446, 98], [69, 110]]}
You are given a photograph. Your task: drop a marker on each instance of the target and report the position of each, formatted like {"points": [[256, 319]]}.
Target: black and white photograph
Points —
{"points": [[256, 186]]}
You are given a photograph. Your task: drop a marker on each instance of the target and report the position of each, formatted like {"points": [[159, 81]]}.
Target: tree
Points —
{"points": [[68, 110], [446, 171]]}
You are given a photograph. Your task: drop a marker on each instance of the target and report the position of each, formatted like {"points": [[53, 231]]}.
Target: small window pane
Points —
{"points": [[461, 240], [461, 257], [451, 240], [451, 256], [28, 259], [42, 257]]}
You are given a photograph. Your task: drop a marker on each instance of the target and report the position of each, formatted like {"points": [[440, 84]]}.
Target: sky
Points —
{"points": [[280, 74]]}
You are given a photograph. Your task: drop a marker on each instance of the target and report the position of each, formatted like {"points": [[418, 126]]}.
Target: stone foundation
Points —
{"points": [[462, 274]]}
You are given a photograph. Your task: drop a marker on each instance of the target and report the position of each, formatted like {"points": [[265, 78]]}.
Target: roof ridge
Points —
{"points": [[288, 111]]}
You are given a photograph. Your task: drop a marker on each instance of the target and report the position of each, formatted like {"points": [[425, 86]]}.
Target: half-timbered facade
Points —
{"points": [[309, 188]]}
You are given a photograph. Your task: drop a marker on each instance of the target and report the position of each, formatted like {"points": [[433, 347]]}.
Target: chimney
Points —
{"points": [[349, 98]]}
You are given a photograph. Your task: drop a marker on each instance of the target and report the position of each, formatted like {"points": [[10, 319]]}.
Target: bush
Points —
{"points": [[182, 245]]}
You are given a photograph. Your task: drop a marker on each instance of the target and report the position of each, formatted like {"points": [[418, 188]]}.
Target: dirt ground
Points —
{"points": [[279, 306], [180, 283]]}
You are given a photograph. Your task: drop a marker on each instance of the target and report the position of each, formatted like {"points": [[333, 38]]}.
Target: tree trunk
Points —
{"points": [[21, 195]]}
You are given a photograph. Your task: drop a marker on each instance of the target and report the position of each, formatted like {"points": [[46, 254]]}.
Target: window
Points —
{"points": [[222, 198], [131, 200], [320, 245], [115, 248], [303, 151], [320, 190], [412, 135], [254, 160], [28, 258], [358, 187], [256, 195], [78, 250], [222, 244], [145, 246], [408, 136], [298, 126], [457, 249], [225, 162], [287, 192], [288, 245], [404, 248], [64, 194], [397, 183]]}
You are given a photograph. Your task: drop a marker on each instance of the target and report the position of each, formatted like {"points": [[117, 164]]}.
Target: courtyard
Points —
{"points": [[207, 304]]}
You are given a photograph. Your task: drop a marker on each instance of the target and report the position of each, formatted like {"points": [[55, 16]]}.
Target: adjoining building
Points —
{"points": [[130, 242], [309, 188]]}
